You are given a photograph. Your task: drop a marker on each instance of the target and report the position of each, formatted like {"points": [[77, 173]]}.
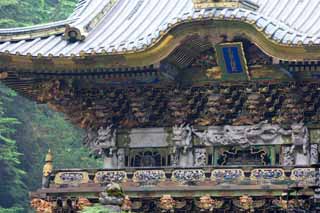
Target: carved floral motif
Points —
{"points": [[149, 177], [71, 178], [267, 174], [206, 203], [126, 204], [167, 203], [304, 175], [239, 135], [188, 176], [83, 203], [246, 203], [110, 176], [285, 205], [227, 175], [41, 206]]}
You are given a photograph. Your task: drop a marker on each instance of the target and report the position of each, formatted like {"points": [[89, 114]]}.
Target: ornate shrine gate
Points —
{"points": [[193, 105]]}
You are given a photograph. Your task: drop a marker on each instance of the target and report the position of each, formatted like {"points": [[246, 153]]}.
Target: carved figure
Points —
{"points": [[206, 203], [288, 157], [240, 135], [182, 135], [314, 154], [248, 135], [113, 195], [104, 139], [83, 203], [246, 203], [41, 206], [300, 137], [167, 203], [200, 157], [286, 205], [121, 158], [126, 204]]}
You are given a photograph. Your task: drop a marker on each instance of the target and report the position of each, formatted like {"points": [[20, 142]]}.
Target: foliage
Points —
{"points": [[18, 13], [11, 210], [42, 129], [96, 209], [12, 188], [31, 129]]}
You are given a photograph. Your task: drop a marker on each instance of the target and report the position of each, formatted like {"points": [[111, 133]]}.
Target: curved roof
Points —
{"points": [[111, 26]]}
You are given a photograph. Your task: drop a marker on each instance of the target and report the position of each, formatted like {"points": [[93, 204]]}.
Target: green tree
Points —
{"points": [[32, 129], [18, 13], [12, 187]]}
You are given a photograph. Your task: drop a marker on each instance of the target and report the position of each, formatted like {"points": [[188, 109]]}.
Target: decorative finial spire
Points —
{"points": [[48, 167]]}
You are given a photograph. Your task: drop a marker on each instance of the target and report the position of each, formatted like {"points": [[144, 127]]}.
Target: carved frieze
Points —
{"points": [[262, 133], [190, 176], [71, 178], [149, 177], [240, 135], [303, 175], [267, 174], [227, 175], [105, 177]]}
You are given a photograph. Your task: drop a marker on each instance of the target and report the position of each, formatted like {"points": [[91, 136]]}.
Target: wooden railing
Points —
{"points": [[153, 176]]}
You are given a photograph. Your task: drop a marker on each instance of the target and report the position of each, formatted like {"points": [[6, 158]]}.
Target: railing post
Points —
{"points": [[47, 170]]}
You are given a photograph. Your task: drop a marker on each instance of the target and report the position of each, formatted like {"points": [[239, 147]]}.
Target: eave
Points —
{"points": [[161, 48]]}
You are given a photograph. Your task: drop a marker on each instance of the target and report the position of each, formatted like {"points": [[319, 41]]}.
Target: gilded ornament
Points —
{"points": [[41, 206], [206, 203], [126, 204], [48, 167], [83, 203], [167, 203]]}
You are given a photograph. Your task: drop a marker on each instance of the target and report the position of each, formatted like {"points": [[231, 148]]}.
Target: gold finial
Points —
{"points": [[48, 167]]}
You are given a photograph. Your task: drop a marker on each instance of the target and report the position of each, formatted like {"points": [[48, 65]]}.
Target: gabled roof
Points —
{"points": [[121, 26]]}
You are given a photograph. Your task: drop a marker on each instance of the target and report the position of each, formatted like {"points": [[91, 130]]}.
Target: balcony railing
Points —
{"points": [[185, 176]]}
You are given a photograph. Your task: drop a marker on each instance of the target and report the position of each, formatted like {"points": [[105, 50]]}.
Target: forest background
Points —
{"points": [[28, 130]]}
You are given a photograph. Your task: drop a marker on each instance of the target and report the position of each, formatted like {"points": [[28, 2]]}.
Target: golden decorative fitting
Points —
{"points": [[126, 204], [285, 205], [167, 203], [3, 75], [246, 203], [48, 167], [83, 203], [207, 203], [41, 206], [200, 4]]}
